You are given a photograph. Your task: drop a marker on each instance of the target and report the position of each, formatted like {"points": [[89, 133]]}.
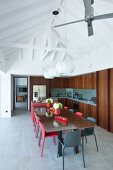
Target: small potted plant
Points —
{"points": [[57, 107], [49, 102]]}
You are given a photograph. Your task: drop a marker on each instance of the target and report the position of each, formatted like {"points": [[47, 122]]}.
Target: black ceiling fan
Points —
{"points": [[89, 17]]}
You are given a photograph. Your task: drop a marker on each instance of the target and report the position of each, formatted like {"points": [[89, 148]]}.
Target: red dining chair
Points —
{"points": [[33, 118], [79, 114], [43, 135], [66, 107], [36, 125]]}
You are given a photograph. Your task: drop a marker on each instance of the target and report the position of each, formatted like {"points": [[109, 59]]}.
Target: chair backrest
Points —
{"points": [[72, 138], [66, 107], [89, 131], [71, 110], [91, 119], [79, 114]]}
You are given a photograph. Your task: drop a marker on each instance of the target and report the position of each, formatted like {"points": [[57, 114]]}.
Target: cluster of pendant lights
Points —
{"points": [[62, 68]]}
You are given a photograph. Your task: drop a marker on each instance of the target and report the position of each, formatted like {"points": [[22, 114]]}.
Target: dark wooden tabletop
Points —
{"points": [[74, 122]]}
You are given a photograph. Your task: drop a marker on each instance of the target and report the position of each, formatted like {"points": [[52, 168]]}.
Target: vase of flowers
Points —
{"points": [[49, 102], [57, 108]]}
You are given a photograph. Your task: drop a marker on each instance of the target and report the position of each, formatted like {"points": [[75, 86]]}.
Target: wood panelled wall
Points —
{"points": [[111, 102], [103, 98]]}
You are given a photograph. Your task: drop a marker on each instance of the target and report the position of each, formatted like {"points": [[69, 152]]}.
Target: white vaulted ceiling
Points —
{"points": [[27, 23]]}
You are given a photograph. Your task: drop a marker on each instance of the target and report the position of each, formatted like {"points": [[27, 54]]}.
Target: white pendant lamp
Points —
{"points": [[48, 76], [64, 67]]}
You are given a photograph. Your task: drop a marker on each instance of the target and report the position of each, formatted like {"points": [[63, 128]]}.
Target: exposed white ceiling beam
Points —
{"points": [[35, 47]]}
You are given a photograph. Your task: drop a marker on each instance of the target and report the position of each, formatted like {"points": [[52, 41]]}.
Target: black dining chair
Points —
{"points": [[90, 131], [72, 139]]}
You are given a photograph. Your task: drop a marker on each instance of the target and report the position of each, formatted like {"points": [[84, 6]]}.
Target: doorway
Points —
{"points": [[20, 97]]}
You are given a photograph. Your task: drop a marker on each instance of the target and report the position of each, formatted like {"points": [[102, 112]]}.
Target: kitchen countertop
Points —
{"points": [[77, 100]]}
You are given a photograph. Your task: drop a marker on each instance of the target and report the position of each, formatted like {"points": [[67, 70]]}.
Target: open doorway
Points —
{"points": [[21, 92]]}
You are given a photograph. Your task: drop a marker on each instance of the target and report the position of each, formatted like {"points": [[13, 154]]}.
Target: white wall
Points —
{"points": [[5, 90], [0, 95]]}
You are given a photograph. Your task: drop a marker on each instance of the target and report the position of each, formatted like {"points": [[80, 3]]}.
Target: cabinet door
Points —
{"points": [[72, 104], [93, 111], [62, 100], [69, 103], [72, 82], [84, 109]]}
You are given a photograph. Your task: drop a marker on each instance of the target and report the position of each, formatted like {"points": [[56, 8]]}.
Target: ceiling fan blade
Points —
{"points": [[104, 16], [90, 28], [87, 5], [92, 2], [68, 23]]}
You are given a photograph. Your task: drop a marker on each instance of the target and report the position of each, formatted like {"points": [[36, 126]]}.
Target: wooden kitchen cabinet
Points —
{"points": [[59, 83], [52, 83], [87, 81], [88, 110], [93, 111], [84, 109], [63, 101], [70, 103], [72, 82]]}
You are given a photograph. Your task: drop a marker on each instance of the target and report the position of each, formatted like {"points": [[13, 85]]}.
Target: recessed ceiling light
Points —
{"points": [[55, 12]]}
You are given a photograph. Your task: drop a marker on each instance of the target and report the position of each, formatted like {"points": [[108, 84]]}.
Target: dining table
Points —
{"points": [[74, 123]]}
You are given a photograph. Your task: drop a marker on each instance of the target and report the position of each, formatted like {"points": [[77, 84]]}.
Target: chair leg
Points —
{"points": [[58, 149], [74, 150], [40, 139], [86, 138], [83, 152], [42, 147], [63, 156], [37, 131], [54, 139], [96, 142], [34, 125]]}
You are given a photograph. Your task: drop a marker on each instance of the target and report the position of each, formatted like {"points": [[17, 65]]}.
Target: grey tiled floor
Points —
{"points": [[19, 149]]}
